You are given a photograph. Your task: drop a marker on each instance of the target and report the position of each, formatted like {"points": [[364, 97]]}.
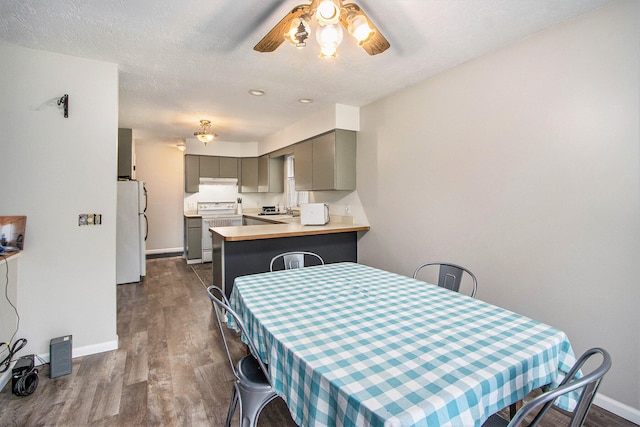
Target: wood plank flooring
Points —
{"points": [[170, 368]]}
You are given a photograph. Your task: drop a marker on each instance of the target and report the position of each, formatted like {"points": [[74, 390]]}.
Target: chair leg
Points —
{"points": [[232, 406]]}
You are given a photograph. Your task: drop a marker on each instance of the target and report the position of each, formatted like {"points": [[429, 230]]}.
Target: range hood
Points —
{"points": [[218, 181]]}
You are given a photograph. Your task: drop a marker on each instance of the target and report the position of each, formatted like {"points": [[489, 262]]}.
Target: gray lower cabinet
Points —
{"points": [[326, 162], [193, 229]]}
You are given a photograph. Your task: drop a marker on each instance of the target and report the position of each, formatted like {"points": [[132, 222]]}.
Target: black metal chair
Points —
{"points": [[252, 387], [588, 385], [450, 276], [295, 259]]}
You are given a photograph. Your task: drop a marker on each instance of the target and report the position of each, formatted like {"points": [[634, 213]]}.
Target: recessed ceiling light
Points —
{"points": [[305, 100], [256, 92]]}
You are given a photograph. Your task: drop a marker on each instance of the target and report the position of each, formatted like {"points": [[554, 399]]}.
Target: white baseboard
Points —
{"points": [[76, 352], [618, 408], [163, 251]]}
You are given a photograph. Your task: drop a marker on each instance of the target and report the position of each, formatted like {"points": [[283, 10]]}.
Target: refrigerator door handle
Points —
{"points": [[145, 200], [146, 227]]}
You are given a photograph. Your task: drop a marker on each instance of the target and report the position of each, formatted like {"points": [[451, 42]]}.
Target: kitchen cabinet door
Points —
{"points": [[303, 162], [191, 173], [270, 174], [209, 167], [229, 167], [249, 175], [263, 174], [334, 161], [194, 238]]}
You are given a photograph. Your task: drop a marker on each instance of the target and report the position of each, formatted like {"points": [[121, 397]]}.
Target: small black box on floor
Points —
{"points": [[60, 356]]}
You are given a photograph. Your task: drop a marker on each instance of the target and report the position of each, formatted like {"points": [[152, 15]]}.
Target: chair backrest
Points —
{"points": [[295, 259], [450, 276], [221, 306], [588, 384]]}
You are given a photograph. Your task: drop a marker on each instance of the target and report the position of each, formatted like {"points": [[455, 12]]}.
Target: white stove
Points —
{"points": [[215, 214]]}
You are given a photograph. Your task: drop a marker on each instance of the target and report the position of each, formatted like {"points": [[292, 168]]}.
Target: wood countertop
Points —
{"points": [[272, 231]]}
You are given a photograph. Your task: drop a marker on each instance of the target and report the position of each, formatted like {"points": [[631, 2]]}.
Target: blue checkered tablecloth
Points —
{"points": [[351, 345]]}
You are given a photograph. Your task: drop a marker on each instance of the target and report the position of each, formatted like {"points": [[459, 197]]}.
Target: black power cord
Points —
{"points": [[20, 343], [16, 347], [25, 381]]}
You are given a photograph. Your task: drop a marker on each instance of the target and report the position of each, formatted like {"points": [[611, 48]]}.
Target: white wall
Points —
{"points": [[523, 166], [55, 168], [161, 167]]}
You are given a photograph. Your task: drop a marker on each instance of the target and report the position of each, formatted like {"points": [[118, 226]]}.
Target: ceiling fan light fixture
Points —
{"points": [[328, 12], [329, 38], [359, 28], [205, 135]]}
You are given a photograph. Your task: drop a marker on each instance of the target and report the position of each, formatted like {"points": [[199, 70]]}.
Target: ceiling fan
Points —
{"points": [[329, 14]]}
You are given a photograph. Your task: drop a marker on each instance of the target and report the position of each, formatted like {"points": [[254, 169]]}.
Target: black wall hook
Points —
{"points": [[65, 101]]}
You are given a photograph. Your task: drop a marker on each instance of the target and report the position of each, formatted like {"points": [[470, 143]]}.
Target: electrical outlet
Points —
{"points": [[89, 219]]}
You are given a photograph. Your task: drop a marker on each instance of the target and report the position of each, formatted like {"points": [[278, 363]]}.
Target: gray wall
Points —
{"points": [[523, 165]]}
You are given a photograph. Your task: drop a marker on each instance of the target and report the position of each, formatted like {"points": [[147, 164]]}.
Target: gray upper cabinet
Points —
{"points": [[196, 167], [271, 174], [209, 167], [249, 175], [262, 174], [191, 173], [332, 159], [229, 167], [125, 153], [303, 158]]}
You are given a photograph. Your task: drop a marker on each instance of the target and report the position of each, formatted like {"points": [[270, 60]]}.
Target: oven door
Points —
{"points": [[217, 221]]}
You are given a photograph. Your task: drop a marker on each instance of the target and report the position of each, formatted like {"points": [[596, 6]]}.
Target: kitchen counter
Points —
{"points": [[238, 251], [283, 226]]}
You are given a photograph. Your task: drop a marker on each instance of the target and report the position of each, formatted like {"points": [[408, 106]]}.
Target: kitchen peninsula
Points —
{"points": [[238, 251]]}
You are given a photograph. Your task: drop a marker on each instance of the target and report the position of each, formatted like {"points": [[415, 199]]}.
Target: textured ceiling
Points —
{"points": [[182, 61]]}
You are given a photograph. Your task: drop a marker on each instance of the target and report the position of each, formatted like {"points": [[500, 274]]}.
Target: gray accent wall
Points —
{"points": [[524, 166]]}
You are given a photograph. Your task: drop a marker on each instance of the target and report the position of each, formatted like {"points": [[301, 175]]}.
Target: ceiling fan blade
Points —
{"points": [[377, 43], [275, 37]]}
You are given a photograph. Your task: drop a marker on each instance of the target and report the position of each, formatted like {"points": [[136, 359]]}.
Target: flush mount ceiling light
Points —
{"points": [[204, 134], [181, 146], [305, 100], [256, 92], [330, 16]]}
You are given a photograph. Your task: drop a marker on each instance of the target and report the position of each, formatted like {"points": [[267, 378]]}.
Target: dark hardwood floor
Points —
{"points": [[169, 370]]}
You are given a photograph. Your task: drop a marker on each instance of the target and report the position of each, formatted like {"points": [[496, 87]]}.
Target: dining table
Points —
{"points": [[347, 344]]}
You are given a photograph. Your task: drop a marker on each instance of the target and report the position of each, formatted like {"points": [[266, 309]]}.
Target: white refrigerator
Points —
{"points": [[131, 232]]}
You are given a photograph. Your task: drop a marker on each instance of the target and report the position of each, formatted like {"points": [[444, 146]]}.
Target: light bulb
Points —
{"points": [[329, 37], [359, 28], [328, 12]]}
